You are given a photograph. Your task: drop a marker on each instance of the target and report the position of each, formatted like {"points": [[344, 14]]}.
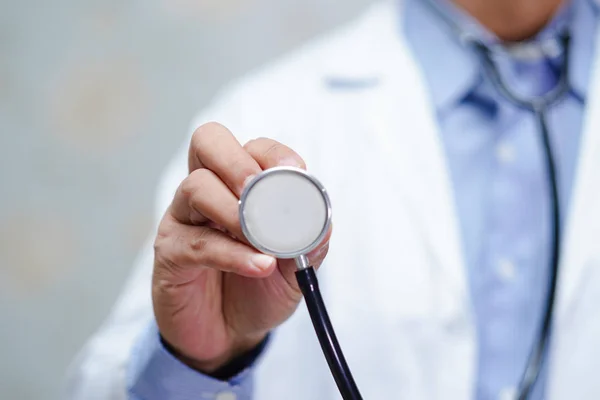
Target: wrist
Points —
{"points": [[237, 358]]}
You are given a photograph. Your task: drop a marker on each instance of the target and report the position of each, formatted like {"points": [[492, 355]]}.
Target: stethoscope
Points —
{"points": [[286, 212]]}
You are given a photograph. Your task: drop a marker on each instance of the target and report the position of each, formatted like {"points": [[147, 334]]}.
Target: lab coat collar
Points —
{"points": [[582, 232], [361, 57], [586, 12], [428, 32]]}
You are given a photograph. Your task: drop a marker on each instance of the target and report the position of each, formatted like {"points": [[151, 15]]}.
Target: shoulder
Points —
{"points": [[284, 99], [298, 78]]}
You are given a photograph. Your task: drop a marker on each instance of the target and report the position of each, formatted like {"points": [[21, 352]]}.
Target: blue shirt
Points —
{"points": [[495, 159]]}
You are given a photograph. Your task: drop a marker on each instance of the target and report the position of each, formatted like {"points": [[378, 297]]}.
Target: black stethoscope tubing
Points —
{"points": [[539, 108], [307, 279], [309, 285]]}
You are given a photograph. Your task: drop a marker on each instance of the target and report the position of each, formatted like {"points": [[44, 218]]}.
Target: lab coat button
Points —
{"points": [[506, 270], [508, 393], [505, 153], [226, 396]]}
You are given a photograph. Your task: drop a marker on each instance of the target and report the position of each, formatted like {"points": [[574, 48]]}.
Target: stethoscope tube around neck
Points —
{"points": [[539, 107], [537, 104]]}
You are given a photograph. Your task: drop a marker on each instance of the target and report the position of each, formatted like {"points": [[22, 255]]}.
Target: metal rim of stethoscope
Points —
{"points": [[276, 171]]}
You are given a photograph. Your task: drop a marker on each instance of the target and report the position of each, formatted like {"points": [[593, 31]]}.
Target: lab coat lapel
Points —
{"points": [[582, 231], [399, 117], [405, 128]]}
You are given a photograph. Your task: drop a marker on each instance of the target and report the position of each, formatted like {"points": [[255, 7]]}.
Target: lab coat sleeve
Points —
{"points": [[125, 354], [113, 359]]}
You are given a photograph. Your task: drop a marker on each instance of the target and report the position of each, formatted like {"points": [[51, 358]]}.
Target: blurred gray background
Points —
{"points": [[95, 95]]}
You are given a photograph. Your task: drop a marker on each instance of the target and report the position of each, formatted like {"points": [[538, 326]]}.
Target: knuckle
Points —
{"points": [[162, 254], [162, 236], [200, 240], [187, 188], [201, 177], [250, 144], [259, 144], [163, 264], [158, 245], [194, 182]]}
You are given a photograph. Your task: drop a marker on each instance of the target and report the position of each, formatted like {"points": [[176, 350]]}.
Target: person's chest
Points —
{"points": [[395, 279], [397, 273]]}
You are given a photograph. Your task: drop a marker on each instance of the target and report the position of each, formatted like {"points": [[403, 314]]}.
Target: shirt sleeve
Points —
{"points": [[155, 374]]}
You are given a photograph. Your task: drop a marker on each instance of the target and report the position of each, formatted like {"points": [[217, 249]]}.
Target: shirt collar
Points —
{"points": [[449, 68], [437, 44]]}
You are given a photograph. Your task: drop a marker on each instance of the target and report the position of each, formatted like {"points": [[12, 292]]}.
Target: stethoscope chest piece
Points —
{"points": [[285, 212]]}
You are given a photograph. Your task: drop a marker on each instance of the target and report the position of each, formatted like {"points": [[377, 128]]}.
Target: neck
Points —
{"points": [[511, 20]]}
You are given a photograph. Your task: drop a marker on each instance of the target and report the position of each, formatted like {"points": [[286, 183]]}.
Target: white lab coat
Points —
{"points": [[354, 105]]}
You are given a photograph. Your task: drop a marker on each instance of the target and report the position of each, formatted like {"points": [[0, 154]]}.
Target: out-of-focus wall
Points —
{"points": [[95, 95]]}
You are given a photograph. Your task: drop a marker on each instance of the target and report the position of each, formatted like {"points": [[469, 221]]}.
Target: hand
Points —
{"points": [[216, 297]]}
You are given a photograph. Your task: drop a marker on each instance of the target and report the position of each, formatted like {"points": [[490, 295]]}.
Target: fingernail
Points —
{"points": [[319, 252], [248, 179], [289, 162], [262, 261]]}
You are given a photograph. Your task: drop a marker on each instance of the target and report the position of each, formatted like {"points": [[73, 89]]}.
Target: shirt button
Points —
{"points": [[506, 270], [226, 396], [505, 153], [507, 393]]}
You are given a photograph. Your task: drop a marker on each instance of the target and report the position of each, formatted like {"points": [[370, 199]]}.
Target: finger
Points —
{"points": [[190, 247], [214, 147], [287, 268], [203, 197], [270, 153], [316, 257]]}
